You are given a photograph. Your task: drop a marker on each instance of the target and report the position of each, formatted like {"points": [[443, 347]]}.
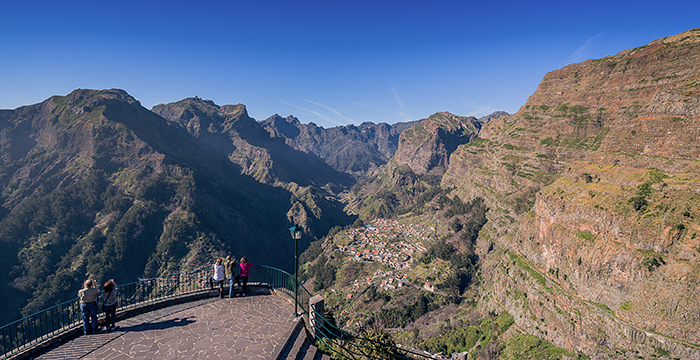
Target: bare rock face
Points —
{"points": [[594, 187], [675, 104], [428, 145]]}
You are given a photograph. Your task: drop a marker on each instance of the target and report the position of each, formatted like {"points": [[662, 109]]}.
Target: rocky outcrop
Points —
{"points": [[428, 144], [422, 157]]}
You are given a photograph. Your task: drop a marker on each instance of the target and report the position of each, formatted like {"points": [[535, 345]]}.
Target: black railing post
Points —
{"points": [[296, 277]]}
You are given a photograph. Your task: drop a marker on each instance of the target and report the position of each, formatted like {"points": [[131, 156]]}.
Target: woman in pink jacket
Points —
{"points": [[243, 274]]}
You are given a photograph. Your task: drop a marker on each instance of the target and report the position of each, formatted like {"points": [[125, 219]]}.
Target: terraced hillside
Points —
{"points": [[594, 188]]}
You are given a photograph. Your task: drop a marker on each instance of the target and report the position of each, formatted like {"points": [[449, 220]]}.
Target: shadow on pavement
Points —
{"points": [[158, 325]]}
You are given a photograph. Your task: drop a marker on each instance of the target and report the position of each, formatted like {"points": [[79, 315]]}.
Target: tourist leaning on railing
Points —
{"points": [[110, 304], [219, 276], [230, 267], [88, 306], [243, 273]]}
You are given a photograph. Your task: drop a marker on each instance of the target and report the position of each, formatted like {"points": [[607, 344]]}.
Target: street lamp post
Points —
{"points": [[296, 232]]}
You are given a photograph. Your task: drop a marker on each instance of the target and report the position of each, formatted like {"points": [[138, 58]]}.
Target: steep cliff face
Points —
{"points": [[428, 145], [641, 101], [594, 188]]}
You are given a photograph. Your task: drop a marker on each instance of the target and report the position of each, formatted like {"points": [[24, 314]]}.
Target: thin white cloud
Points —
{"points": [[399, 101], [582, 53], [397, 98], [324, 117], [329, 108], [362, 105]]}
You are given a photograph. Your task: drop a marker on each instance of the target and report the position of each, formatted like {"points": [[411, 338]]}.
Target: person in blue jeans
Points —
{"points": [[230, 267], [88, 306]]}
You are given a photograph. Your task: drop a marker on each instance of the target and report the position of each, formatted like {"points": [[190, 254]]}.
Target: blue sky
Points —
{"points": [[329, 62]]}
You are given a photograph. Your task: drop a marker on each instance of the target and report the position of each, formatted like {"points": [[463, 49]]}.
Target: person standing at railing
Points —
{"points": [[219, 276], [243, 273], [88, 306], [230, 267], [110, 304]]}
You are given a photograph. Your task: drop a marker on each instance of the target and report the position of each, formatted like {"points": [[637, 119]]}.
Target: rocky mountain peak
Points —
{"points": [[428, 144], [492, 116], [449, 122], [80, 101], [636, 74], [200, 116], [278, 126], [88, 95]]}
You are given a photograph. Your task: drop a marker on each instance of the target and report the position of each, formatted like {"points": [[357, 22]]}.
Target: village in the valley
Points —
{"points": [[394, 244]]}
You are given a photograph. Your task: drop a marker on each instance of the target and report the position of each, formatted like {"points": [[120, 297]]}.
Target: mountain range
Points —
{"points": [[566, 229]]}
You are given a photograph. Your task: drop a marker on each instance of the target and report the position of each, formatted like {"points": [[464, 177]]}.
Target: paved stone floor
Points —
{"points": [[249, 327]]}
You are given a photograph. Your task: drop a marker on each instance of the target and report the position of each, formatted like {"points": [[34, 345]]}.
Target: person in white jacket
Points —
{"points": [[219, 275]]}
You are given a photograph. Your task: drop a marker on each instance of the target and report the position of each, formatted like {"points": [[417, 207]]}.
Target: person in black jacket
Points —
{"points": [[110, 304], [230, 267]]}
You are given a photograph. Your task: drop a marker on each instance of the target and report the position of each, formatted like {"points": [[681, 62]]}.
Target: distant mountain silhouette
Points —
{"points": [[351, 149]]}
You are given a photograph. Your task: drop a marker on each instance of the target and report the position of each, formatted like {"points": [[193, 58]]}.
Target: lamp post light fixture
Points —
{"points": [[296, 232]]}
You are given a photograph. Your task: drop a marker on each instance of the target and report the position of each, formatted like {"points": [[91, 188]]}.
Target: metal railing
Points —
{"points": [[59, 319], [372, 344], [283, 281]]}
